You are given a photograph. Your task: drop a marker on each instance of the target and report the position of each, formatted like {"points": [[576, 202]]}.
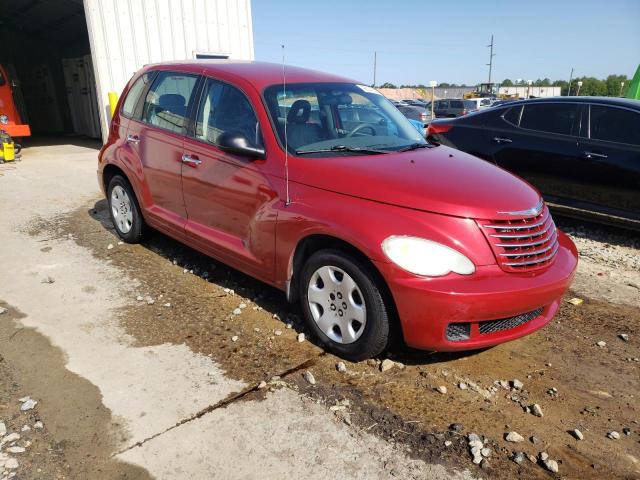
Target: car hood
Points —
{"points": [[440, 180]]}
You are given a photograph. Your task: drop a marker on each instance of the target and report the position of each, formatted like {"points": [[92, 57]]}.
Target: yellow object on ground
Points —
{"points": [[113, 101], [7, 153]]}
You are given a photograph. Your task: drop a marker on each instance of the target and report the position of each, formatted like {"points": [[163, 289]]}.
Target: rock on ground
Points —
{"points": [[514, 437]]}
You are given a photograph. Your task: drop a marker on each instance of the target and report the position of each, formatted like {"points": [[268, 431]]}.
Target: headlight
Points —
{"points": [[4, 119], [425, 257]]}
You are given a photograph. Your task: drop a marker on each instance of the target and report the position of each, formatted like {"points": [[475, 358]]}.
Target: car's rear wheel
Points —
{"points": [[124, 210], [343, 306]]}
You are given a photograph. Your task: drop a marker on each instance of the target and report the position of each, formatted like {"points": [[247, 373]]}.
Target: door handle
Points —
{"points": [[133, 139], [190, 160], [502, 140], [595, 155]]}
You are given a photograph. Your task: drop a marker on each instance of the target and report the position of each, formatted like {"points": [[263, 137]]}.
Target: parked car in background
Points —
{"points": [[582, 153], [419, 126], [413, 112], [481, 103], [417, 102], [414, 239], [452, 107]]}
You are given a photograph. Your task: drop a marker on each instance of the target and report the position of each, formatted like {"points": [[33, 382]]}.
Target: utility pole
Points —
{"points": [[491, 55], [570, 79], [375, 61]]}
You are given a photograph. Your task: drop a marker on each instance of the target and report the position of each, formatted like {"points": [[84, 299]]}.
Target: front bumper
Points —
{"points": [[426, 306]]}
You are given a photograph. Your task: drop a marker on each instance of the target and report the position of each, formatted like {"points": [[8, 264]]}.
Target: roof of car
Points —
{"points": [[622, 102], [261, 74]]}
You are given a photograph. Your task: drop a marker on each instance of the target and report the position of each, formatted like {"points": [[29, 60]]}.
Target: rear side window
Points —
{"points": [[226, 109], [470, 105], [129, 105], [513, 115], [456, 104], [615, 125], [167, 102], [550, 117]]}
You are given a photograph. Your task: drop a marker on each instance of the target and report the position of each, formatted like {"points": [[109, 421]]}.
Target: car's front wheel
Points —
{"points": [[124, 210], [343, 306]]}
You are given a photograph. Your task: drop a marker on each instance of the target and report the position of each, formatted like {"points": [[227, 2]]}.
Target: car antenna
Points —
{"points": [[286, 140]]}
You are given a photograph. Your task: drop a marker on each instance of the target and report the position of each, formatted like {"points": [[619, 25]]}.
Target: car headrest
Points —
{"points": [[299, 112], [171, 100]]}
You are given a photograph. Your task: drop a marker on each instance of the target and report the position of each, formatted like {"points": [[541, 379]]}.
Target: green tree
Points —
{"points": [[507, 83], [388, 85], [614, 82]]}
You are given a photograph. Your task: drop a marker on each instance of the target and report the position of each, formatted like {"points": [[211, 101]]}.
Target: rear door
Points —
{"points": [[227, 196], [131, 109], [610, 151], [539, 142], [158, 142]]}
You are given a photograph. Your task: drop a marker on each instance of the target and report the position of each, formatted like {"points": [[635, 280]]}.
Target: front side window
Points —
{"points": [[129, 105], [615, 125], [341, 118], [557, 118], [167, 102], [225, 109]]}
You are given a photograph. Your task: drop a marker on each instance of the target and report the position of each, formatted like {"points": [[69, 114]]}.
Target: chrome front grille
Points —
{"points": [[522, 244]]}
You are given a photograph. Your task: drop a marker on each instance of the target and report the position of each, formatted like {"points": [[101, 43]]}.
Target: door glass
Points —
{"points": [[226, 109], [615, 125], [550, 117], [513, 115], [129, 105], [167, 102]]}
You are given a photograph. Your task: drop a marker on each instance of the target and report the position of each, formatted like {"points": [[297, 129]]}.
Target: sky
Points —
{"points": [[421, 40]]}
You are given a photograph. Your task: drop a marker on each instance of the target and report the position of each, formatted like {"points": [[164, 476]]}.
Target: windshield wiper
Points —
{"points": [[343, 148], [415, 146]]}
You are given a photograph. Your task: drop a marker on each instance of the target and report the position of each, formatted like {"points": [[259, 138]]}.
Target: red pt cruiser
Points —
{"points": [[319, 186]]}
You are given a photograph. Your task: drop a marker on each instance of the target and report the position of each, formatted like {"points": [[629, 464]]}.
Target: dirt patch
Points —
{"points": [[78, 434], [189, 298]]}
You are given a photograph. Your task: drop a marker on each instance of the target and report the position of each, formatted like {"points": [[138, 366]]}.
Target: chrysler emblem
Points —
{"points": [[532, 212]]}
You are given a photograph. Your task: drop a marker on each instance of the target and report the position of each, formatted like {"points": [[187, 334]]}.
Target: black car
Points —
{"points": [[582, 153]]}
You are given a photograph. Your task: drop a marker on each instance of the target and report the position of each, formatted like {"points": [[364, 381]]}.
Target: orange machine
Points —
{"points": [[10, 120]]}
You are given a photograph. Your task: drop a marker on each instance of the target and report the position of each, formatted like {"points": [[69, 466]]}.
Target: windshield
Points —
{"points": [[339, 119]]}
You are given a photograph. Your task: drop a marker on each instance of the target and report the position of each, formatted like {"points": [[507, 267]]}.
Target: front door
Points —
{"points": [[540, 144], [158, 140], [227, 195]]}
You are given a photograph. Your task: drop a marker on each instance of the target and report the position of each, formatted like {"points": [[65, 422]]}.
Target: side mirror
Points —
{"points": [[238, 143]]}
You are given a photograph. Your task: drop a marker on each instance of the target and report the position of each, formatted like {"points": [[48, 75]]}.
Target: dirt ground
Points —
{"points": [[179, 297], [597, 387]]}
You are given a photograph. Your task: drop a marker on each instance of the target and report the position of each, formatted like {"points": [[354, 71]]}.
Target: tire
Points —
{"points": [[125, 210], [336, 292]]}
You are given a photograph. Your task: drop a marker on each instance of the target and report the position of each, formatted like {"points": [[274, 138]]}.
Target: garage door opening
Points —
{"points": [[44, 47]]}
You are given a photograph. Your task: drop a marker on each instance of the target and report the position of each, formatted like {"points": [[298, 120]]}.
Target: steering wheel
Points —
{"points": [[360, 127]]}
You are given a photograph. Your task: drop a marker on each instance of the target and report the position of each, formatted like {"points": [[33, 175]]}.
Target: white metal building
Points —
{"points": [[531, 91], [68, 54]]}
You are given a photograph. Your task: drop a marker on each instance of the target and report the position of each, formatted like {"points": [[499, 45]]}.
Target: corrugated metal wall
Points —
{"points": [[127, 34]]}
